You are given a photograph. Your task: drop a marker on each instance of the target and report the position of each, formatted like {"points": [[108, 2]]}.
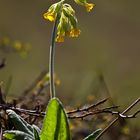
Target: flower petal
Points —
{"points": [[75, 32], [50, 16], [89, 6]]}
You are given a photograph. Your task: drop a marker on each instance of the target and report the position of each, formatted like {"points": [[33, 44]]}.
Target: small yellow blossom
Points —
{"points": [[89, 6], [53, 10], [60, 38], [75, 32], [67, 33], [18, 45], [51, 16], [5, 41], [57, 82]]}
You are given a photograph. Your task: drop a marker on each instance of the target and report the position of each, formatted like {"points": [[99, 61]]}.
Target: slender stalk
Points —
{"points": [[125, 111], [51, 59]]}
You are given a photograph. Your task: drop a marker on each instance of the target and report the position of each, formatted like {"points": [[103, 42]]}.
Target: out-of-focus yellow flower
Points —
{"points": [[60, 37], [126, 130], [18, 45], [57, 82], [5, 41], [75, 32], [89, 6], [51, 16]]}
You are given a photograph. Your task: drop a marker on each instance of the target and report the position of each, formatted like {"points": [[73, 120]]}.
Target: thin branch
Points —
{"points": [[93, 112], [107, 110], [88, 108], [25, 111], [125, 111], [121, 115]]}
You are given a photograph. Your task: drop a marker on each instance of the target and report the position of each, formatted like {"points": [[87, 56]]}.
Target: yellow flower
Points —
{"points": [[89, 6], [51, 16], [5, 41], [75, 32], [60, 37], [17, 45], [53, 10], [67, 33]]}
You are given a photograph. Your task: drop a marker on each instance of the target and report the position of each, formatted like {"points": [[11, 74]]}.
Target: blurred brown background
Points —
{"points": [[109, 43]]}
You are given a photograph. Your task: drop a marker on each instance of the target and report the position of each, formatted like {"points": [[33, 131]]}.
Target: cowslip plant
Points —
{"points": [[56, 125]]}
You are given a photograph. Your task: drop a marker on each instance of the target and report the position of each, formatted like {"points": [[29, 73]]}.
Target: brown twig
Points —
{"points": [[99, 111], [25, 111], [88, 108], [93, 112], [125, 111]]}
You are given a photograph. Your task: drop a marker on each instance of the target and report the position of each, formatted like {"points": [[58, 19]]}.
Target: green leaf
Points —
{"points": [[93, 135], [36, 134], [37, 128], [55, 125], [19, 123], [17, 135]]}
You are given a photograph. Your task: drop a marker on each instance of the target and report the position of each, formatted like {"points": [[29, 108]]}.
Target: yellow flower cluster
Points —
{"points": [[67, 24]]}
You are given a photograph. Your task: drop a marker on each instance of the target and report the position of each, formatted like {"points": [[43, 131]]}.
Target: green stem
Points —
{"points": [[51, 59]]}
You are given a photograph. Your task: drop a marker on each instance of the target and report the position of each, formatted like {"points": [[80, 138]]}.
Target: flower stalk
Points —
{"points": [[51, 59]]}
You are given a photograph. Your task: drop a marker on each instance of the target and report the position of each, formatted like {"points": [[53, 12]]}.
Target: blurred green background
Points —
{"points": [[109, 43]]}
